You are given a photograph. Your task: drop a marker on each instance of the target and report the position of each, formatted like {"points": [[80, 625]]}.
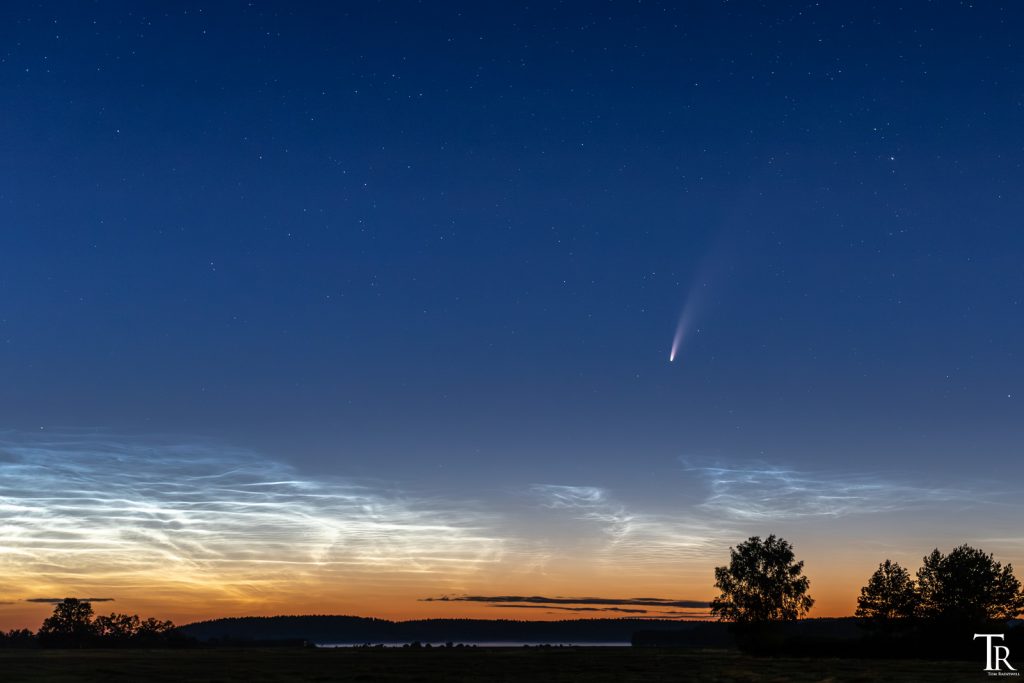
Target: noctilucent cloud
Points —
{"points": [[364, 308]]}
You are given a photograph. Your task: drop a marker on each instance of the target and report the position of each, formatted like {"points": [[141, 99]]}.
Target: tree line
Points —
{"points": [[762, 590], [952, 596], [74, 625]]}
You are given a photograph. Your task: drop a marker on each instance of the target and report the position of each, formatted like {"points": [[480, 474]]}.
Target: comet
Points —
{"points": [[711, 271], [681, 328], [685, 324], [677, 341]]}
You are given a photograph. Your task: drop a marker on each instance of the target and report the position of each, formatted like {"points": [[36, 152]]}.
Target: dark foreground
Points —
{"points": [[478, 664]]}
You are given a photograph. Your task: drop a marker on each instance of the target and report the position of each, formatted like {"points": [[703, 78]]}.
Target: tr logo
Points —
{"points": [[995, 655]]}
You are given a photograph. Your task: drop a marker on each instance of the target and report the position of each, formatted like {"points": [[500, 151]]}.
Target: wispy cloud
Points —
{"points": [[130, 517], [662, 608], [541, 600], [735, 499], [134, 515], [54, 601], [568, 497], [777, 493], [632, 537], [620, 610]]}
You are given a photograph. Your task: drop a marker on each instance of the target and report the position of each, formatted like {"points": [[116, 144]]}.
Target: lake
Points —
{"points": [[480, 644]]}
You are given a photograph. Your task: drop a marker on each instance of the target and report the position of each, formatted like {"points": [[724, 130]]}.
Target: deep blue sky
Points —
{"points": [[469, 230], [447, 244]]}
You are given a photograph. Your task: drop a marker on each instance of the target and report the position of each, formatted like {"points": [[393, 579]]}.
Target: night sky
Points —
{"points": [[342, 307]]}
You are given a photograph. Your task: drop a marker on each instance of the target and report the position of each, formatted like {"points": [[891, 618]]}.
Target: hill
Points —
{"points": [[357, 630]]}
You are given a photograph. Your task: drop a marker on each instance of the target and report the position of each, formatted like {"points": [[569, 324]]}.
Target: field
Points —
{"points": [[611, 665]]}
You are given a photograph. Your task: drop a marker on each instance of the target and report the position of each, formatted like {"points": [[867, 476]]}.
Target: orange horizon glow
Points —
{"points": [[189, 532], [834, 593]]}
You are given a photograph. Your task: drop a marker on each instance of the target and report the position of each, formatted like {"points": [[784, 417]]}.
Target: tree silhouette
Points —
{"points": [[763, 582], [967, 586], [117, 627], [70, 625], [119, 630], [153, 630], [890, 596]]}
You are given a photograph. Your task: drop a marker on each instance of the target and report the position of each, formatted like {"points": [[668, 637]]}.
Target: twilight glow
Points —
{"points": [[359, 308], [156, 524]]}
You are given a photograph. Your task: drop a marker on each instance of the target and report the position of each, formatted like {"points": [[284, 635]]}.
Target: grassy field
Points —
{"points": [[611, 665]]}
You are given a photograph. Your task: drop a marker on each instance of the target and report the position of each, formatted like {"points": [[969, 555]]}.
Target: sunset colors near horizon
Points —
{"points": [[416, 310]]}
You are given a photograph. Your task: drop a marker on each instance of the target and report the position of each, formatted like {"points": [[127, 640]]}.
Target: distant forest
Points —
{"points": [[360, 630]]}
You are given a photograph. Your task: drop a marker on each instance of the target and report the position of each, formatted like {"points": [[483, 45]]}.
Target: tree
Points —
{"points": [[967, 586], [17, 638], [130, 630], [152, 631], [763, 582], [70, 625], [890, 596], [117, 628]]}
